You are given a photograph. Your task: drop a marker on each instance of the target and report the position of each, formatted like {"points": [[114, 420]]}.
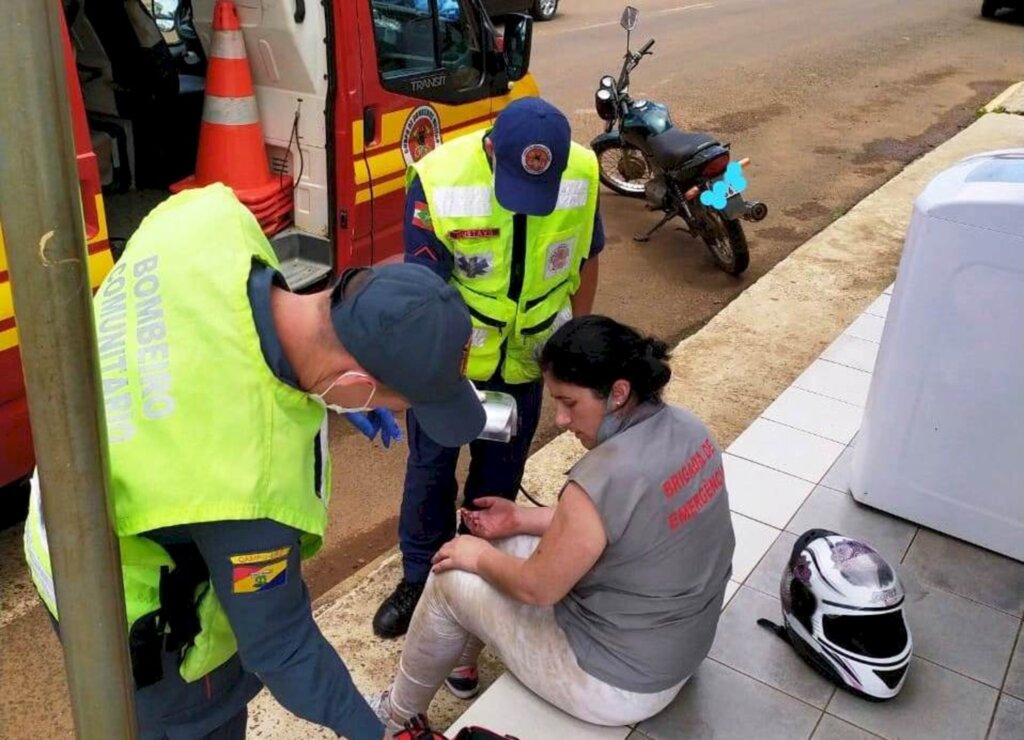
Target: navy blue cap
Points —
{"points": [[410, 330], [531, 141]]}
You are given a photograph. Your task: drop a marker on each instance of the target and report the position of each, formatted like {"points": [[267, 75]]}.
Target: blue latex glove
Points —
{"points": [[379, 420]]}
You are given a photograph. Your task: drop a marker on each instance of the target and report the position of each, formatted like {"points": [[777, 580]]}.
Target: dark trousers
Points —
{"points": [[427, 518], [213, 708]]}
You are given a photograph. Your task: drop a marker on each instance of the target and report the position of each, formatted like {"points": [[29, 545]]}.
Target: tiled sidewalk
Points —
{"points": [[787, 473]]}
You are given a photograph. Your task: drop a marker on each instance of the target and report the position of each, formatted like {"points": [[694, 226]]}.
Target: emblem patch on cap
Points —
{"points": [[536, 159]]}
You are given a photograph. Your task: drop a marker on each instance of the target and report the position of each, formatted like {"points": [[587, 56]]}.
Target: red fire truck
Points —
{"points": [[349, 92]]}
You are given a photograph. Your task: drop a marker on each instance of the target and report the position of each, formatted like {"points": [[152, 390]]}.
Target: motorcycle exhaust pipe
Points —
{"points": [[755, 211]]}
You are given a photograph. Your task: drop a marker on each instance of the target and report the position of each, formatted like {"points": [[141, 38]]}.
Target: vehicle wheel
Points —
{"points": [[623, 169], [989, 8], [14, 503], [727, 243], [544, 10]]}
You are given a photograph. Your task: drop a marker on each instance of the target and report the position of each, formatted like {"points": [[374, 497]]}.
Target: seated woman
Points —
{"points": [[606, 604]]}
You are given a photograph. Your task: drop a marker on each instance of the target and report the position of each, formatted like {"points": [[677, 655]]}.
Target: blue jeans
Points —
{"points": [[427, 518]]}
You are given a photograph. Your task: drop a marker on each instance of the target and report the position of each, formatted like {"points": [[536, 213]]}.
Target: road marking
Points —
{"points": [[681, 8], [585, 28], [592, 26]]}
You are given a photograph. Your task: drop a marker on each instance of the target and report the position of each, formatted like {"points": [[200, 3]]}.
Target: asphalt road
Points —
{"points": [[828, 99]]}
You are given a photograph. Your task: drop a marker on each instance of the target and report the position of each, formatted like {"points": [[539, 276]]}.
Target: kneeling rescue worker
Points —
{"points": [[216, 381]]}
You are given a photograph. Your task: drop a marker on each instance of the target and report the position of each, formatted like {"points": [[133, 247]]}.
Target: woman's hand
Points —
{"points": [[462, 553], [495, 519]]}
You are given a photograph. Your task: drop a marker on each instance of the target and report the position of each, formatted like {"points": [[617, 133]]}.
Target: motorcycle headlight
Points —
{"points": [[608, 82], [604, 104]]}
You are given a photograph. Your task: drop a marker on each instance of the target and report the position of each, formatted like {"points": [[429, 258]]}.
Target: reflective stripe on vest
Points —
{"points": [[465, 201], [461, 201], [466, 217], [37, 547], [572, 194]]}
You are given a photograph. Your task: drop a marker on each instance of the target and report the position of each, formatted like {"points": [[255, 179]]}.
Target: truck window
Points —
{"points": [[431, 49]]}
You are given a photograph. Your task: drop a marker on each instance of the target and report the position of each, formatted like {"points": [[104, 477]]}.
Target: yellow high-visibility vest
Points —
{"points": [[467, 218]]}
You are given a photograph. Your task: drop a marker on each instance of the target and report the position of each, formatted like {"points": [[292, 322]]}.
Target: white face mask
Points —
{"points": [[341, 409]]}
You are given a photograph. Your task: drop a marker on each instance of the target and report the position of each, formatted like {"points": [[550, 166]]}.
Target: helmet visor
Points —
{"points": [[871, 635]]}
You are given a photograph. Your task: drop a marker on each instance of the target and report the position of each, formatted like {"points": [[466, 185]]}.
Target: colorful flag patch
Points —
{"points": [[421, 216], [261, 571]]}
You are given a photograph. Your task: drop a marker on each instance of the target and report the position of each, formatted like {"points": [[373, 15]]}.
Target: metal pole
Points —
{"points": [[40, 209]]}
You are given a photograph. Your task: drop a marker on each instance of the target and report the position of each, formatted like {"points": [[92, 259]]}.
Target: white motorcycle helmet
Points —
{"points": [[842, 608]]}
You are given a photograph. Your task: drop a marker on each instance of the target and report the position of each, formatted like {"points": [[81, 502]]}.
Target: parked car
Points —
{"points": [[989, 8], [542, 10]]}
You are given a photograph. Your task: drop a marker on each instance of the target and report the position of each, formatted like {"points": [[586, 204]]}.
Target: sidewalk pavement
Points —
{"points": [[729, 373]]}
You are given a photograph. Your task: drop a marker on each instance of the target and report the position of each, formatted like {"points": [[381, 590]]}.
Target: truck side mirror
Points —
{"points": [[517, 45], [629, 15]]}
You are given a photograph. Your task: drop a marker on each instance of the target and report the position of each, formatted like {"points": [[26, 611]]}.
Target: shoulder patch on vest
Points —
{"points": [[421, 216], [259, 571]]}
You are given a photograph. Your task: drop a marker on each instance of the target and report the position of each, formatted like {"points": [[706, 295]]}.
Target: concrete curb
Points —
{"points": [[1011, 100], [727, 373]]}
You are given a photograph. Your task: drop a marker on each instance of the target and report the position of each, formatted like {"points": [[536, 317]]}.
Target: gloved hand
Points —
{"points": [[369, 423]]}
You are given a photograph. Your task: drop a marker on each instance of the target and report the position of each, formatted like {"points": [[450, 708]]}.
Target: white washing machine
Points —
{"points": [[942, 441]]}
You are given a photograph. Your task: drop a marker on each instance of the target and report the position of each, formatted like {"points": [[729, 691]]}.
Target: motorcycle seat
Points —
{"points": [[673, 148]]}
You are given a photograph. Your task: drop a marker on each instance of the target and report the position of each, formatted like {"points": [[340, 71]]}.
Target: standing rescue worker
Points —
{"points": [[216, 381], [510, 218]]}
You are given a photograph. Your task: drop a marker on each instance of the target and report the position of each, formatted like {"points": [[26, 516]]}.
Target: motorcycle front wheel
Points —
{"points": [[623, 168], [726, 242]]}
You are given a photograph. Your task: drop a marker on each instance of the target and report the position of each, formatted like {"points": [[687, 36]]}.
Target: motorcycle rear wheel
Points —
{"points": [[726, 242], [623, 169]]}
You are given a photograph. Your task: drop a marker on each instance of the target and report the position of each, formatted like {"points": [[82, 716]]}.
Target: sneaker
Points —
{"points": [[380, 703], [417, 728], [463, 682], [395, 612]]}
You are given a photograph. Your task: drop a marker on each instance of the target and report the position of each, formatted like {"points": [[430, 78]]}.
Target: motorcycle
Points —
{"points": [[642, 154]]}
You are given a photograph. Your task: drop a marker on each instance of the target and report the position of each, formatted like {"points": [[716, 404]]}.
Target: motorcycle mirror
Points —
{"points": [[629, 18]]}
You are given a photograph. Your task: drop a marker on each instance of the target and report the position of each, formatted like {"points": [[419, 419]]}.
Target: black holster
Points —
{"points": [[174, 626]]}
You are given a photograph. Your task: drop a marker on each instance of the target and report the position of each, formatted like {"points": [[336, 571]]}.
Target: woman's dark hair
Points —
{"points": [[595, 351]]}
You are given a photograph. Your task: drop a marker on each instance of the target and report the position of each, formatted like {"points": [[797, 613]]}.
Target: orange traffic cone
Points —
{"points": [[231, 148]]}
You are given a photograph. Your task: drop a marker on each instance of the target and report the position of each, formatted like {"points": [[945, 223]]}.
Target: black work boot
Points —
{"points": [[395, 612]]}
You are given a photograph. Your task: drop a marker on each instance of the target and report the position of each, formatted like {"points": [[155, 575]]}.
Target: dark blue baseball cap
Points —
{"points": [[410, 330], [531, 141]]}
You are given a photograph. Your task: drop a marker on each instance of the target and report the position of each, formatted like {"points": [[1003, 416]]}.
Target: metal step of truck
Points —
{"points": [[305, 259]]}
